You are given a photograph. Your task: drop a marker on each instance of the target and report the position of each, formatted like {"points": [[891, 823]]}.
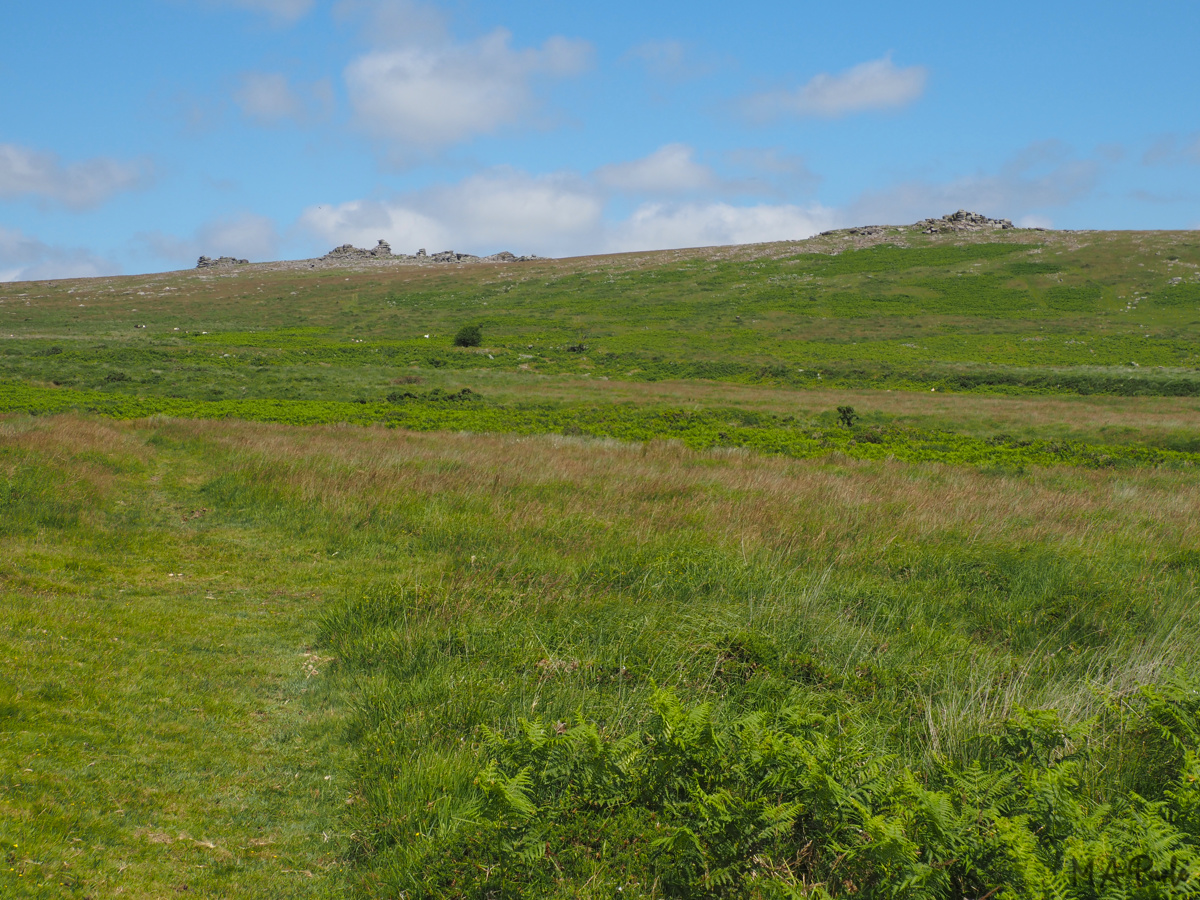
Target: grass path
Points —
{"points": [[160, 734]]}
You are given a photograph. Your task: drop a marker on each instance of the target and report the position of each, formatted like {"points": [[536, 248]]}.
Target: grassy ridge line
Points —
{"points": [[698, 430]]}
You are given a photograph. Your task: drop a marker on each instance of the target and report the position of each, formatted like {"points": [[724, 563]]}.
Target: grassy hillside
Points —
{"points": [[617, 603]]}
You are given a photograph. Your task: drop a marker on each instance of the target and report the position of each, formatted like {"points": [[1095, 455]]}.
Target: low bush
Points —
{"points": [[468, 336]]}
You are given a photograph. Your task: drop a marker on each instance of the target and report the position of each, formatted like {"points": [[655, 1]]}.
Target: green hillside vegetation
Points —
{"points": [[298, 602]]}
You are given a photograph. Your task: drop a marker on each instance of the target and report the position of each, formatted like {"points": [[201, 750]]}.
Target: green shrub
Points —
{"points": [[469, 336]]}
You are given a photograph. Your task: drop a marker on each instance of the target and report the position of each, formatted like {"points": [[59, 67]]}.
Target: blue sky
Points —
{"points": [[136, 136]]}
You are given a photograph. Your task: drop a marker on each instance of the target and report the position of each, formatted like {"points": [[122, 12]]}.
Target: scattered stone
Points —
{"points": [[206, 263]]}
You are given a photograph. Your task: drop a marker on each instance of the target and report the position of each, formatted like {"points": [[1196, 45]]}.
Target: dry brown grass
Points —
{"points": [[831, 506]]}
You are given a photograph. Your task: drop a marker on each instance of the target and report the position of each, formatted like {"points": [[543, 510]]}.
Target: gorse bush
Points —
{"points": [[785, 802], [468, 336]]}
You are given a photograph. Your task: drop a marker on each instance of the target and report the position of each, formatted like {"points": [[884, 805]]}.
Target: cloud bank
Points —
{"points": [[42, 176], [268, 98], [564, 214]]}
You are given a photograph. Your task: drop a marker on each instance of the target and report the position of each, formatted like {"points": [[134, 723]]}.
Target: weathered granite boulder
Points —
{"points": [[207, 263], [382, 250], [962, 221]]}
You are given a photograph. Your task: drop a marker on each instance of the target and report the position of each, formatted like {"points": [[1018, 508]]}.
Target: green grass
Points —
{"points": [[160, 731], [463, 581], [1039, 313], [611, 605]]}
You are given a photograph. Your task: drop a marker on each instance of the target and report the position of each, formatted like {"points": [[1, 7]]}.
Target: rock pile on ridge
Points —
{"points": [[382, 250], [206, 263], [962, 221], [380, 254]]}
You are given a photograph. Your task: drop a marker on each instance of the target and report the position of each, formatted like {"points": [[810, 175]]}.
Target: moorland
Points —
{"points": [[844, 567]]}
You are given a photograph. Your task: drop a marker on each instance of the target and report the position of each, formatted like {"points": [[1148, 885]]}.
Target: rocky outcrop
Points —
{"points": [[206, 263], [450, 256], [382, 250], [380, 254], [962, 221]]}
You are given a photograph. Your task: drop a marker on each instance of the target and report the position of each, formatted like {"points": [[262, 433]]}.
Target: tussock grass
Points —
{"points": [[486, 578], [447, 582]]}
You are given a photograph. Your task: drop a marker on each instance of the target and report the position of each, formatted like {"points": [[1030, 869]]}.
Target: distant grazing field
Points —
{"points": [[837, 568]]}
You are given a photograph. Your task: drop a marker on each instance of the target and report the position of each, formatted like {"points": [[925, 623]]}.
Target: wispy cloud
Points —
{"points": [[1041, 176], [41, 175], [282, 12], [1173, 150], [772, 171], [269, 98], [875, 85], [244, 235], [25, 258], [669, 60], [669, 170]]}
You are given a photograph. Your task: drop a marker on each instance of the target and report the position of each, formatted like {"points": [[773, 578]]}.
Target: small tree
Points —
{"points": [[469, 336], [847, 416]]}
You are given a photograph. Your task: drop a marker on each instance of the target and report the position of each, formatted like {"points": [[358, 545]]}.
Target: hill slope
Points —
{"points": [[857, 567]]}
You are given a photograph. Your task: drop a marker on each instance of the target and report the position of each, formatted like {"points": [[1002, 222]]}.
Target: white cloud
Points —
{"points": [[24, 258], [497, 210], [245, 236], [283, 12], [363, 222], [431, 95], [656, 226], [557, 215], [772, 171], [395, 23], [669, 169], [672, 171], [878, 84], [666, 59], [42, 175], [268, 98]]}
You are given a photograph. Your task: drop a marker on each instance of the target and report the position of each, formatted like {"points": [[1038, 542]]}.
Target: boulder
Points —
{"points": [[382, 250], [207, 263], [962, 221]]}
